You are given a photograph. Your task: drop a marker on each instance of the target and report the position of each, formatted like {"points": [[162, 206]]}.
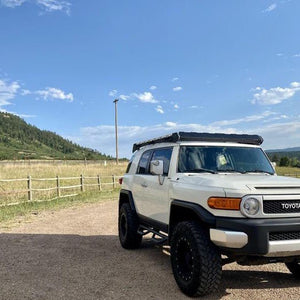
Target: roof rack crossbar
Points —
{"points": [[202, 137]]}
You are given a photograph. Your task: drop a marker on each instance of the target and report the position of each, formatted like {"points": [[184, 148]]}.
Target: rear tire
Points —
{"points": [[128, 228], [294, 268], [196, 261]]}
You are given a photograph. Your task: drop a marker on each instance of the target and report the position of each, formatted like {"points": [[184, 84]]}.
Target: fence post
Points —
{"points": [[114, 181], [29, 188], [81, 183], [99, 183], [57, 186]]}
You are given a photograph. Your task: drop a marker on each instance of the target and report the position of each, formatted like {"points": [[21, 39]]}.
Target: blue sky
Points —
{"points": [[209, 66]]}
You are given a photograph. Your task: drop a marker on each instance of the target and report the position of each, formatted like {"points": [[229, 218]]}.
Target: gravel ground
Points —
{"points": [[74, 253]]}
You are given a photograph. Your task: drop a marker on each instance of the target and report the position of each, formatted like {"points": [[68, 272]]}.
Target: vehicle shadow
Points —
{"points": [[52, 266]]}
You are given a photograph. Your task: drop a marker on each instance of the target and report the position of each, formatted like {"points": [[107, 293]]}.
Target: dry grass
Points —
{"points": [[63, 169], [11, 170], [294, 172]]}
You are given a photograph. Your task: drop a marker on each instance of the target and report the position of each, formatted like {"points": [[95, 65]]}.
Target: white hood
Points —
{"points": [[254, 183]]}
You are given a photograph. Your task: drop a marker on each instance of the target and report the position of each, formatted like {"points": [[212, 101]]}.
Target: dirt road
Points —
{"points": [[74, 253]]}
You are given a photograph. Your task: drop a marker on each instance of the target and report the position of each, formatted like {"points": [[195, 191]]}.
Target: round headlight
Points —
{"points": [[250, 206]]}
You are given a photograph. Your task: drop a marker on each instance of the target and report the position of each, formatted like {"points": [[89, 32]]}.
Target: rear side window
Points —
{"points": [[129, 164], [143, 167], [163, 154]]}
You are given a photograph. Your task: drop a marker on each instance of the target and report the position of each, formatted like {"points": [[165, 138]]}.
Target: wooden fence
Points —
{"points": [[36, 189]]}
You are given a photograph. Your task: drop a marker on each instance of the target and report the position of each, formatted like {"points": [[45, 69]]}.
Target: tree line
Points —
{"points": [[285, 160]]}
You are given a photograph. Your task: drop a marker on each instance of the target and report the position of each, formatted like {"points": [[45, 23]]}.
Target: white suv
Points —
{"points": [[209, 195]]}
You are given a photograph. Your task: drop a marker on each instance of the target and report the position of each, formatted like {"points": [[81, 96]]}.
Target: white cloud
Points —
{"points": [[175, 79], [274, 95], [295, 84], [170, 124], [276, 135], [8, 91], [270, 8], [153, 87], [176, 106], [54, 5], [103, 138], [296, 55], [12, 3], [146, 97], [193, 106], [46, 5], [124, 97], [278, 117], [54, 93], [159, 109], [280, 135], [177, 88], [246, 119], [279, 54], [113, 93], [25, 92]]}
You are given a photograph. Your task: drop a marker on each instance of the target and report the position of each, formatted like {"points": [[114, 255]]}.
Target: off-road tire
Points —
{"points": [[128, 228], [294, 268], [196, 261]]}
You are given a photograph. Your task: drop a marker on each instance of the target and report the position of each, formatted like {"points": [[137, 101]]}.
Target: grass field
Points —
{"points": [[50, 171], [36, 170], [11, 170], [288, 171]]}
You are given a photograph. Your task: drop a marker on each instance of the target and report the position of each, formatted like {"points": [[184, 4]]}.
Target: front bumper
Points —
{"points": [[251, 236]]}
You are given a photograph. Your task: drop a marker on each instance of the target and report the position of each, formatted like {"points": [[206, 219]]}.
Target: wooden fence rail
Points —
{"points": [[97, 181]]}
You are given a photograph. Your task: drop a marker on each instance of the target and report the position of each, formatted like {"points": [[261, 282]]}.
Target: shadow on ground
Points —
{"points": [[37, 266]]}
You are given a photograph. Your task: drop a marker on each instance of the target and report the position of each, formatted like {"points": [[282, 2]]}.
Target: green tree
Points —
{"points": [[284, 161]]}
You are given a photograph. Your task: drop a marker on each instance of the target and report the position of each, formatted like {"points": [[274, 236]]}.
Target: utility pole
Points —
{"points": [[116, 129]]}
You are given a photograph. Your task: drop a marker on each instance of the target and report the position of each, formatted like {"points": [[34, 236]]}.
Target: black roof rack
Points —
{"points": [[202, 137]]}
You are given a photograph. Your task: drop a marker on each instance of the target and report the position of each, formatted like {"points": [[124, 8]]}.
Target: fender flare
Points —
{"points": [[129, 196], [203, 215]]}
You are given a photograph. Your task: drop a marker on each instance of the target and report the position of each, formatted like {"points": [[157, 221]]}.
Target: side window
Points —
{"points": [[130, 163], [128, 167], [143, 167], [163, 154]]}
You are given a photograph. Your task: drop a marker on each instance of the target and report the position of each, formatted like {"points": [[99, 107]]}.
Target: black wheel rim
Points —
{"points": [[184, 260], [123, 225]]}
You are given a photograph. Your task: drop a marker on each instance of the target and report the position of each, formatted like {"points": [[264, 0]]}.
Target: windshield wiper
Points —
{"points": [[258, 171], [201, 170], [229, 171]]}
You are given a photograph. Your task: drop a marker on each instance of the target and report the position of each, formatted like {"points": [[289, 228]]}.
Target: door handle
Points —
{"points": [[144, 184]]}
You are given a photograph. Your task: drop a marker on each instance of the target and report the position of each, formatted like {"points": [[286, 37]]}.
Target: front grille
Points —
{"points": [[281, 206], [283, 236]]}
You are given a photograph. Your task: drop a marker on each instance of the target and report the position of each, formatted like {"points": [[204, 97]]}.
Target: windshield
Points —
{"points": [[216, 159]]}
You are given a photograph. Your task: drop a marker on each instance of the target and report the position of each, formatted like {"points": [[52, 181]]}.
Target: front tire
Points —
{"points": [[294, 268], [196, 262], [128, 228]]}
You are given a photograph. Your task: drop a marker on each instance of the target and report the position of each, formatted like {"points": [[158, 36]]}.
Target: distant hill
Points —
{"points": [[19, 140], [284, 150], [285, 157], [292, 153]]}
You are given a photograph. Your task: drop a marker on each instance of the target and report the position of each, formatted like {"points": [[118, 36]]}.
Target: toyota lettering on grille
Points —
{"points": [[290, 205]]}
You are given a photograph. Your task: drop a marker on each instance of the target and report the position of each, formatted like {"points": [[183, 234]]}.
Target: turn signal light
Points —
{"points": [[224, 203]]}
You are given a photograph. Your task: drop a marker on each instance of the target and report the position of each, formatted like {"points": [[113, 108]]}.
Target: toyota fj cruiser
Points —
{"points": [[215, 198]]}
